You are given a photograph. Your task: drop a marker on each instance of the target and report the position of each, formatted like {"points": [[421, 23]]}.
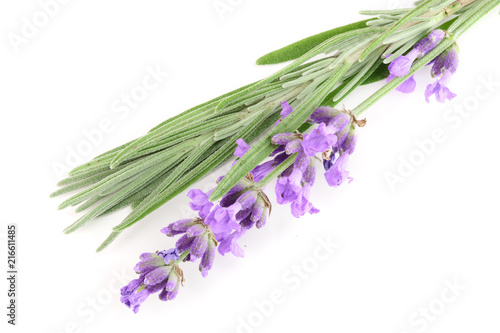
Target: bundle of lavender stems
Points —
{"points": [[283, 129]]}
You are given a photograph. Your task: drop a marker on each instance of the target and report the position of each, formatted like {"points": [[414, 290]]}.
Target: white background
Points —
{"points": [[398, 246]]}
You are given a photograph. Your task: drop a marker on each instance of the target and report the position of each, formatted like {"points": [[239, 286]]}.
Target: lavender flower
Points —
{"points": [[336, 173], [401, 66], [440, 89], [223, 221], [302, 205], [197, 238], [319, 140], [230, 244], [294, 184], [200, 202], [444, 66], [331, 117], [244, 205], [334, 135], [158, 273]]}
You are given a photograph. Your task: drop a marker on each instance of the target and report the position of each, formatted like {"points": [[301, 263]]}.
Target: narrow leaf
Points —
{"points": [[297, 49]]}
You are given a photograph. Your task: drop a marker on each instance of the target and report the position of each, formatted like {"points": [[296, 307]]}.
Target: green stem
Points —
{"points": [[182, 257]]}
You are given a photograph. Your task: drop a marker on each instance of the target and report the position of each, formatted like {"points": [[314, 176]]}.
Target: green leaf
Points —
{"points": [[297, 49], [208, 165], [187, 164], [371, 65], [405, 19], [138, 196], [165, 158], [299, 62], [374, 75], [94, 166], [108, 240], [89, 203], [138, 183], [379, 74], [185, 115], [84, 182], [97, 176]]}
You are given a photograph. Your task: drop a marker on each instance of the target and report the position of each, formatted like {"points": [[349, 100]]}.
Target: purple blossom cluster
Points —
{"points": [[159, 272], [444, 66], [198, 239], [221, 226], [334, 139], [218, 227]]}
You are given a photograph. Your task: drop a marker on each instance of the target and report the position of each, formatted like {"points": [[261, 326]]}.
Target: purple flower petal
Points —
{"points": [[337, 173], [401, 65], [428, 43], [208, 259], [198, 246], [257, 210], [157, 276], [324, 114], [184, 243], [200, 202], [195, 230], [148, 265], [229, 244], [286, 191], [163, 296], [148, 255], [232, 195], [242, 148], [135, 300], [173, 294], [246, 200], [302, 206], [440, 89], [129, 289], [408, 86], [286, 110], [293, 147], [173, 280], [319, 140], [182, 225], [260, 171], [222, 221]]}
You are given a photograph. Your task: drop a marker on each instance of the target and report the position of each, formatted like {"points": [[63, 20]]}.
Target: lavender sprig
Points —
{"points": [[220, 226], [293, 155]]}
